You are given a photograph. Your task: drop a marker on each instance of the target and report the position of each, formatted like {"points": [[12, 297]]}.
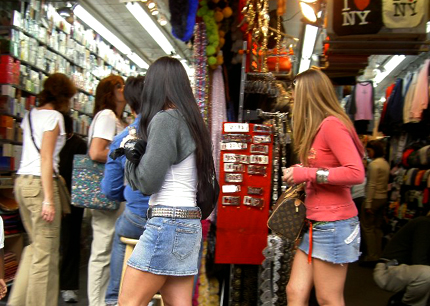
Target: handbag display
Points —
{"points": [[63, 192], [87, 176], [289, 214]]}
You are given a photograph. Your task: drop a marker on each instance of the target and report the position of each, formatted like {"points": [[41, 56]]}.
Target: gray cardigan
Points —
{"points": [[169, 143]]}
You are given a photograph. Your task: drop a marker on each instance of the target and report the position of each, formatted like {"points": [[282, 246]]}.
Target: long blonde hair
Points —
{"points": [[314, 101]]}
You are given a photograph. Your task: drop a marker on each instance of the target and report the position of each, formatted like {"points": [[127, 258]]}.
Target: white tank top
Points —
{"points": [[180, 185]]}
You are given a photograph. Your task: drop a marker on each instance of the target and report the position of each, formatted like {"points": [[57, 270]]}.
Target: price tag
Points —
{"points": [[236, 138], [231, 167], [257, 170], [230, 188], [259, 159], [255, 190], [230, 200], [262, 139], [233, 146], [235, 158], [261, 149], [236, 127], [233, 178], [261, 128], [251, 201]]}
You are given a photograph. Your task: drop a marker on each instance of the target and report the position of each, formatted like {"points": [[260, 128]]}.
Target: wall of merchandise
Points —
{"points": [[35, 42]]}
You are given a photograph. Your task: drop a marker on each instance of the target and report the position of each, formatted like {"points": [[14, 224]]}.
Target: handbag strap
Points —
{"points": [[34, 142]]}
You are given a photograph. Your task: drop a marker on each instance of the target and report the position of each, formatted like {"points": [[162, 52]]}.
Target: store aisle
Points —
{"points": [[360, 289]]}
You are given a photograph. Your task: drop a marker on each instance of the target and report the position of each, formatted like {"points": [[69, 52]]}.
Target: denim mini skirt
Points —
{"points": [[337, 242], [168, 246]]}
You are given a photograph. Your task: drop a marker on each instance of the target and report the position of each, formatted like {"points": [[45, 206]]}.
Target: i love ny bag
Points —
{"points": [[288, 216], [87, 176]]}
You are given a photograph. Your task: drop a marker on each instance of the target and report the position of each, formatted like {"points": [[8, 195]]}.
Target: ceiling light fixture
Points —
{"points": [[150, 5], [154, 12], [309, 40], [308, 12], [162, 20], [138, 60], [151, 27], [389, 67], [93, 23]]}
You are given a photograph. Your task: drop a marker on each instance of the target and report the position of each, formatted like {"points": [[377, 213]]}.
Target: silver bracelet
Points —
{"points": [[47, 203], [322, 176]]}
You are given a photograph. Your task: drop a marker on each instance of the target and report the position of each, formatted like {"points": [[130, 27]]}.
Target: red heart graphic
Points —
{"points": [[361, 4]]}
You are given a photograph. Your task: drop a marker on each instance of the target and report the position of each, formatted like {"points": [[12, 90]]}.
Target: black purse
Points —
{"points": [[208, 200]]}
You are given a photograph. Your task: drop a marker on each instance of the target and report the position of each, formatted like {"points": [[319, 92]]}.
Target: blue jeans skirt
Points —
{"points": [[168, 246], [337, 242]]}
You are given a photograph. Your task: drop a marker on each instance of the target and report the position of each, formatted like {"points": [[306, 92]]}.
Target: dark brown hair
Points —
{"points": [[58, 89], [105, 96], [133, 92], [378, 148]]}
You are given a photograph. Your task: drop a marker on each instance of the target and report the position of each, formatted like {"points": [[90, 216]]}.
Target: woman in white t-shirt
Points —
{"points": [[109, 106], [36, 191]]}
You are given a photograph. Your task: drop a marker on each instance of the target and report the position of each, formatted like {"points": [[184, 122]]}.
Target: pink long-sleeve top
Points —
{"points": [[333, 149]]}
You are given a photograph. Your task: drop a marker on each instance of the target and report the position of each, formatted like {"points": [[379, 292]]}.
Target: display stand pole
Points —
{"points": [[242, 81]]}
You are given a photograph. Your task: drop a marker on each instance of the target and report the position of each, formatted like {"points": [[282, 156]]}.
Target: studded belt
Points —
{"points": [[174, 213]]}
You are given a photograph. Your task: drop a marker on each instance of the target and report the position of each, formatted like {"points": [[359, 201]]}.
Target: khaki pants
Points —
{"points": [[414, 279], [103, 224], [36, 282], [371, 227]]}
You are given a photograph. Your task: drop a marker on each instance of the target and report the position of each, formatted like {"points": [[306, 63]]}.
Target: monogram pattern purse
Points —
{"points": [[288, 216]]}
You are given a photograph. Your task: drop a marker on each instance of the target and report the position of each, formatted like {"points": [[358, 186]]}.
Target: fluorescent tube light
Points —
{"points": [[388, 67], [308, 47], [86, 17], [308, 12], [150, 26], [138, 60], [428, 27], [101, 29]]}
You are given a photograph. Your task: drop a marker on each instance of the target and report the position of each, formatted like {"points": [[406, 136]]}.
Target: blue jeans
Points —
{"points": [[131, 226]]}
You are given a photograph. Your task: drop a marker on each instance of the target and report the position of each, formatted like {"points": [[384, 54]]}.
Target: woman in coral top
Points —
{"points": [[331, 154]]}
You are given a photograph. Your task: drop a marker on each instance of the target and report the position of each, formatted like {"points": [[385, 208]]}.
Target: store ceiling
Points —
{"points": [[115, 16]]}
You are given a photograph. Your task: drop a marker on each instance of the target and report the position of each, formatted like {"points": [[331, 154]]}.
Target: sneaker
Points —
{"points": [[69, 296]]}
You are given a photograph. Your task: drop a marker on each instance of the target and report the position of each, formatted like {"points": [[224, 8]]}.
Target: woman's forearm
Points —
{"points": [[47, 178], [99, 156]]}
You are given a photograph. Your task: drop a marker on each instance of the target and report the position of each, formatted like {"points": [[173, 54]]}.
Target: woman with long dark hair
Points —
{"points": [[177, 164]]}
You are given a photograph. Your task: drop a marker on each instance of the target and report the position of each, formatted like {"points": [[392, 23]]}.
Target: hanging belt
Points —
{"points": [[309, 222]]}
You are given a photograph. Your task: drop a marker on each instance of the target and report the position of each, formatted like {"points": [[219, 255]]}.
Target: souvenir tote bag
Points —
{"points": [[86, 180], [402, 13]]}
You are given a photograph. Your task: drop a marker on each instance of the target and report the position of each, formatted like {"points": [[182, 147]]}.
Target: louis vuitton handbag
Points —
{"points": [[288, 216]]}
